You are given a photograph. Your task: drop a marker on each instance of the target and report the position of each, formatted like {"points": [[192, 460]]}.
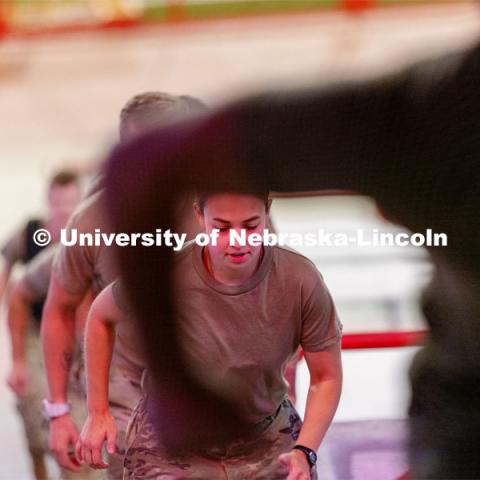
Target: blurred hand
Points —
{"points": [[18, 378], [98, 429], [62, 441], [297, 464]]}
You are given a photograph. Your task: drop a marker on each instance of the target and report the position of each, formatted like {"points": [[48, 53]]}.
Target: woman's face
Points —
{"points": [[233, 212]]}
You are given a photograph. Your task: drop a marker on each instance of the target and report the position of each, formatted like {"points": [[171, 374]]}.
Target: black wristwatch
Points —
{"points": [[309, 453]]}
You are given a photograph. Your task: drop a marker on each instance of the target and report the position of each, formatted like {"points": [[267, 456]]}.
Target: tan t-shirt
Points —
{"points": [[15, 248], [38, 272], [77, 267], [244, 335]]}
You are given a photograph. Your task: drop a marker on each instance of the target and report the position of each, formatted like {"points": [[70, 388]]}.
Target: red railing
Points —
{"points": [[355, 341]]}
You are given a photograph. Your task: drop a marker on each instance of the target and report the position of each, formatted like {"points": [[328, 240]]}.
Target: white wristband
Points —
{"points": [[52, 410]]}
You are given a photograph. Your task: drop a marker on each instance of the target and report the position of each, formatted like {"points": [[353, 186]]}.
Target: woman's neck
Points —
{"points": [[229, 276]]}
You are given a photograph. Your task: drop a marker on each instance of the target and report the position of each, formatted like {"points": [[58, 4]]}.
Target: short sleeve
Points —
{"points": [[73, 266], [38, 272], [119, 297], [321, 327], [14, 250]]}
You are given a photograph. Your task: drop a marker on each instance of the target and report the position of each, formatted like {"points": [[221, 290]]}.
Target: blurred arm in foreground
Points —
{"points": [[410, 141]]}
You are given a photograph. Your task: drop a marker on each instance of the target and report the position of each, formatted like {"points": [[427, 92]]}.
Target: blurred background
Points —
{"points": [[66, 69]]}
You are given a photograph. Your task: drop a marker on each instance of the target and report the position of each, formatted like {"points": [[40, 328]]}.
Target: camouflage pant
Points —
{"points": [[252, 459], [124, 394], [29, 406]]}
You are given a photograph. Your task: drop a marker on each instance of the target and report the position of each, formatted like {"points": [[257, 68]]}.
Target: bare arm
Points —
{"points": [[5, 271], [4, 276], [58, 339], [12, 253], [325, 369], [20, 300], [21, 297], [99, 342]]}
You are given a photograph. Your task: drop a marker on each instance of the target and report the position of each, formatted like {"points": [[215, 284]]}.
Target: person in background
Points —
{"points": [[26, 378], [80, 269]]}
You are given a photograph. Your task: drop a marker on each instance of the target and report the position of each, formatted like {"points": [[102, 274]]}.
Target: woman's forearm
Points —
{"points": [[99, 342], [322, 402]]}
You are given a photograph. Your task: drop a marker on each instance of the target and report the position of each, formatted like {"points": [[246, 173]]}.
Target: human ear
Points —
{"points": [[199, 214]]}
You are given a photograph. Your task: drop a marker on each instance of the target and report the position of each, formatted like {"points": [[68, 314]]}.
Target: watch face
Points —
{"points": [[310, 454]]}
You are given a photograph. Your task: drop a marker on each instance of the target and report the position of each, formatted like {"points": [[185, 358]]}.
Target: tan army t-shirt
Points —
{"points": [[78, 268], [38, 272], [15, 249], [244, 335]]}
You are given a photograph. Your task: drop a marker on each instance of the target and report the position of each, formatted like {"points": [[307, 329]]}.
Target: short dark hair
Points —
{"points": [[149, 110], [63, 178]]}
